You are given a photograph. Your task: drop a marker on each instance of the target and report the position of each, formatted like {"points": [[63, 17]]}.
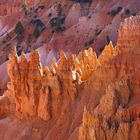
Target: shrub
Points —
{"points": [[36, 33], [89, 42], [115, 12], [97, 32], [127, 12], [24, 7], [19, 29], [38, 30], [39, 27], [59, 9], [57, 23]]}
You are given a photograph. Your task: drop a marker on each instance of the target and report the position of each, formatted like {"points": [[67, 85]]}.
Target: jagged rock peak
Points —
{"points": [[107, 54], [32, 80]]}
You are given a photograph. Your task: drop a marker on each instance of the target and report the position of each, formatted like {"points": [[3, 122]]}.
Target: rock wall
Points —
{"points": [[117, 115], [39, 91], [108, 87]]}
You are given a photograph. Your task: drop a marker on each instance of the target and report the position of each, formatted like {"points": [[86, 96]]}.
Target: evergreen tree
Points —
{"points": [[24, 7], [19, 29], [59, 9], [107, 37]]}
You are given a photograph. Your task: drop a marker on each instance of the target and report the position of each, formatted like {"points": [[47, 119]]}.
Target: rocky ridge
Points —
{"points": [[86, 25], [117, 115], [105, 88]]}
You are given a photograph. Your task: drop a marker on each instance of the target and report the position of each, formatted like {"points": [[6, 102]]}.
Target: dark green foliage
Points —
{"points": [[89, 42], [40, 27], [59, 9], [113, 13], [36, 33], [57, 23], [19, 29], [24, 7], [97, 32]]}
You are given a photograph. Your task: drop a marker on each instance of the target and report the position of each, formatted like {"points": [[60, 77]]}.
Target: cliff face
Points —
{"points": [[43, 92], [117, 114], [86, 97], [86, 25]]}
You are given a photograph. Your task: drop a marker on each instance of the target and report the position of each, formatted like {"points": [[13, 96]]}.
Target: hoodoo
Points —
{"points": [[79, 83]]}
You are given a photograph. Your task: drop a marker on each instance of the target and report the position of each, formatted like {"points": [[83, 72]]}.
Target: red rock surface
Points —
{"points": [[8, 7], [79, 97], [81, 24]]}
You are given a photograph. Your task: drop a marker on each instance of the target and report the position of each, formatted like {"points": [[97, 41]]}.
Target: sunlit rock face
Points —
{"points": [[81, 97], [86, 25], [117, 114], [43, 92]]}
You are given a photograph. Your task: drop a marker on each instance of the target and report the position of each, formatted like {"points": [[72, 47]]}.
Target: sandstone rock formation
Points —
{"points": [[86, 25], [81, 97], [105, 88], [118, 110]]}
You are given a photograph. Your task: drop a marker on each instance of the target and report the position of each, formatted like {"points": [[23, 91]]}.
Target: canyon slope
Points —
{"points": [[81, 97], [82, 83], [88, 24]]}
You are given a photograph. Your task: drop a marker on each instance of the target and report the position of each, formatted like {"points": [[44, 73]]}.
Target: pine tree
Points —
{"points": [[107, 37], [59, 9], [19, 29], [24, 7]]}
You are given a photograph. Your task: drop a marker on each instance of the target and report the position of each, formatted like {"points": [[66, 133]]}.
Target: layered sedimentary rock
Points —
{"points": [[118, 110], [86, 25], [6, 107], [39, 91], [104, 90]]}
